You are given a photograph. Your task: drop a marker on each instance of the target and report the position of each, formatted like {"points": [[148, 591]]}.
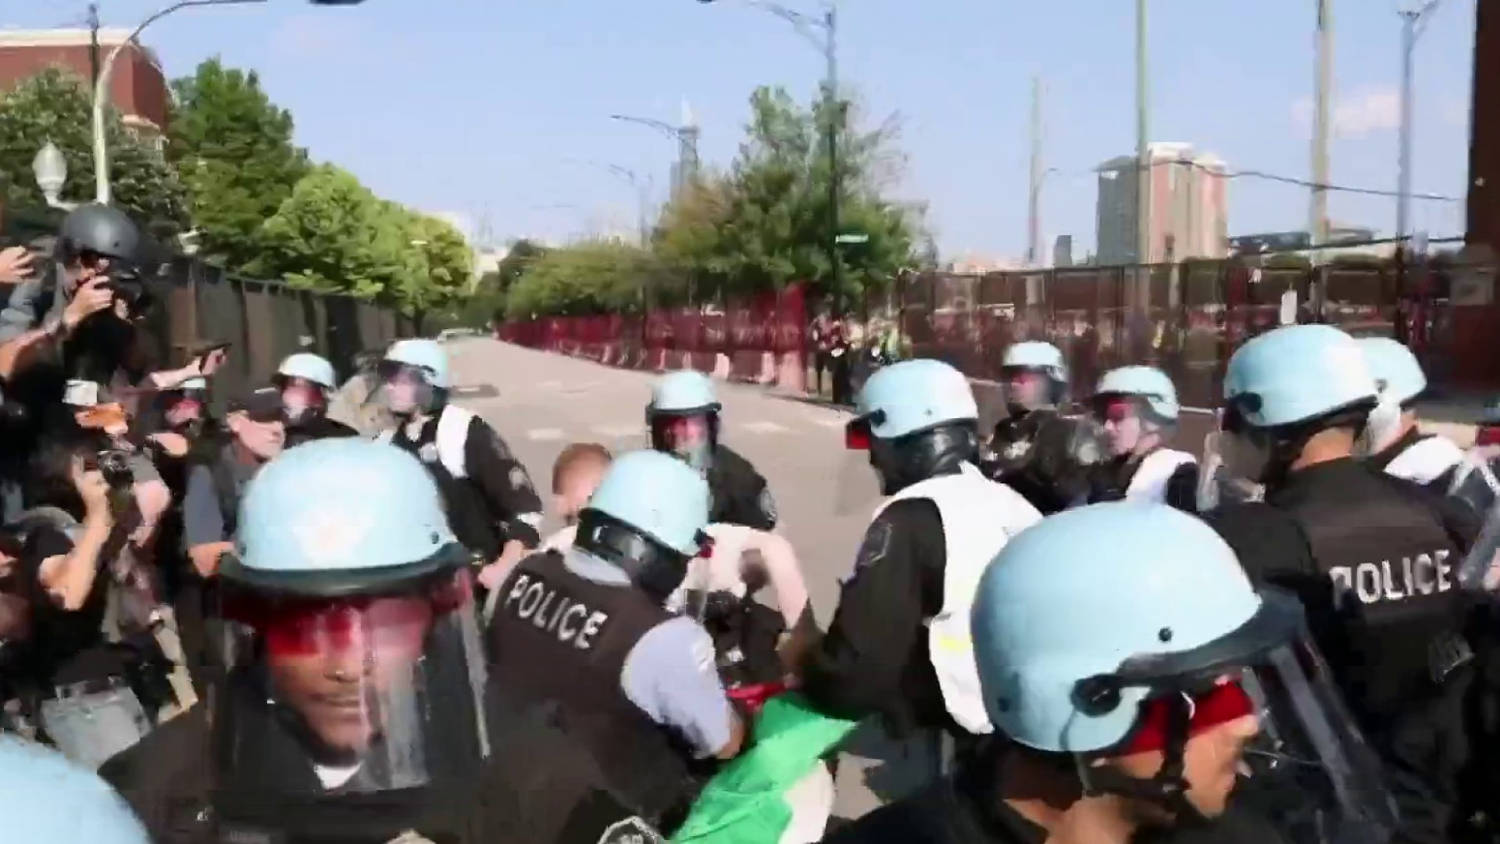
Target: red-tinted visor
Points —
{"points": [[1487, 435], [1220, 703], [306, 626], [1114, 408], [858, 432], [673, 432]]}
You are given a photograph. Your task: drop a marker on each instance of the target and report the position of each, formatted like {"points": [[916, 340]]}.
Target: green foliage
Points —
{"points": [[233, 148], [585, 278], [56, 105], [333, 234]]}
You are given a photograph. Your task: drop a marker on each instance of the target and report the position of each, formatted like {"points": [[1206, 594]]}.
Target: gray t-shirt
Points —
{"points": [[202, 517], [670, 673]]}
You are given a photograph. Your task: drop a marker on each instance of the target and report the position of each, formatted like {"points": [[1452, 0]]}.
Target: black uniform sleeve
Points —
{"points": [[1182, 488], [508, 493], [857, 668], [741, 494]]}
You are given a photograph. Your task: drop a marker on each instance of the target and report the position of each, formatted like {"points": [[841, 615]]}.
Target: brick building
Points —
{"points": [[1484, 141], [138, 89]]}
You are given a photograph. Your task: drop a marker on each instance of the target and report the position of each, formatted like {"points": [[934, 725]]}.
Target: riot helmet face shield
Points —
{"points": [[301, 399], [406, 389], [690, 436], [1029, 388], [359, 693], [1255, 712]]}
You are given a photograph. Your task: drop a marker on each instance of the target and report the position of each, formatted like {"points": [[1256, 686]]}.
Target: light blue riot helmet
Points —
{"points": [[918, 418], [416, 376], [683, 417], [332, 516], [425, 355], [1121, 628], [352, 638], [1036, 356], [308, 367], [45, 798], [648, 517], [1297, 374], [1395, 368], [1145, 382]]}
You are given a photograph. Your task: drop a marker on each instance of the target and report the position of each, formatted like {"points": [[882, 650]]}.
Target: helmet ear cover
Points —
{"points": [[651, 564]]}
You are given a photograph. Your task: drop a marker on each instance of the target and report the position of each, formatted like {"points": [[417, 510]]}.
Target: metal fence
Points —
{"points": [[1189, 318], [265, 321]]}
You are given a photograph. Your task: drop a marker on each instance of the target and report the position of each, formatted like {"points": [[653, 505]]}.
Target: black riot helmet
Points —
{"points": [[101, 230]]}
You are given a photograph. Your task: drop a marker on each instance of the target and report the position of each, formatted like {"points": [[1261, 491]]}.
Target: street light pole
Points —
{"points": [[1412, 23], [101, 90], [1317, 224], [686, 137], [828, 45]]}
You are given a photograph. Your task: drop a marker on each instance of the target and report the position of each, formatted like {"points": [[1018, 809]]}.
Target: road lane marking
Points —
{"points": [[544, 434], [764, 427]]}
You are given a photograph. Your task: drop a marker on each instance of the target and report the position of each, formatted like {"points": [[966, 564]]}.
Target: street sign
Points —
{"points": [[852, 238]]}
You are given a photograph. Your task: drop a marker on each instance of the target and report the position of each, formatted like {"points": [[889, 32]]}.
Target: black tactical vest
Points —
{"points": [[1384, 602], [559, 643]]}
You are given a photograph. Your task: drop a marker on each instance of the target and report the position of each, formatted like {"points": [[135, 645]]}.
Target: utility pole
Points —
{"points": [[1317, 223], [93, 45], [835, 123], [1034, 214], [1143, 159], [1413, 21]]}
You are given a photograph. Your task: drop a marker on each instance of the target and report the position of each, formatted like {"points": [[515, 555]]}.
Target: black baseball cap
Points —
{"points": [[262, 405]]}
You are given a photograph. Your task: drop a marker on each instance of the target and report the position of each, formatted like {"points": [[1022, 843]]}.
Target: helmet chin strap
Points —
{"points": [[1167, 789]]}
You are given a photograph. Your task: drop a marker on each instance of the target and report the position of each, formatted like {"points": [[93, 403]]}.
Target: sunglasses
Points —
{"points": [[91, 260], [1487, 435], [1114, 409], [1219, 703]]}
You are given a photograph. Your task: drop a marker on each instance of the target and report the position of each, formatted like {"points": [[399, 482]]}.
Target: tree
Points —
{"points": [[600, 276], [521, 255], [56, 105], [233, 148], [332, 234], [767, 224], [444, 264]]}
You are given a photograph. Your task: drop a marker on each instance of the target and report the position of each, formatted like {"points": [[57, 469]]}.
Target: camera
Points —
{"points": [[114, 465]]}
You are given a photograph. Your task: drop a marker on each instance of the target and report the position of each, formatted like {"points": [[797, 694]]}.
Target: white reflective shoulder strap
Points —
{"points": [[387, 436], [1149, 483], [452, 436], [1425, 460]]}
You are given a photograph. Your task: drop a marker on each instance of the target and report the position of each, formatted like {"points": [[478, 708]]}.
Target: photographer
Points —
{"points": [[81, 311], [94, 664]]}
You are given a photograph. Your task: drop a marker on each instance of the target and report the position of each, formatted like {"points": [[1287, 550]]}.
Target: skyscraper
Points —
{"points": [[1188, 217]]}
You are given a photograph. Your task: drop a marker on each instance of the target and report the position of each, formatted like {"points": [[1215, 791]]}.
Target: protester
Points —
{"points": [[575, 475], [210, 506]]}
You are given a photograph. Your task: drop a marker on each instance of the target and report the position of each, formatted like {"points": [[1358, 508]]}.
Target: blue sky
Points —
{"points": [[482, 108]]}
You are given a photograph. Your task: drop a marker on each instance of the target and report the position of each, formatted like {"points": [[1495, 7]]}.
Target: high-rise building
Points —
{"points": [[1188, 207], [1062, 251]]}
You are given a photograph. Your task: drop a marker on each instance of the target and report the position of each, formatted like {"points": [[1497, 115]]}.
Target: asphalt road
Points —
{"points": [[541, 402]]}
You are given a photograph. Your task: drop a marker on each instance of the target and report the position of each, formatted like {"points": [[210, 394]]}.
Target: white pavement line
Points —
{"points": [[619, 431], [544, 434], [827, 421], [764, 427]]}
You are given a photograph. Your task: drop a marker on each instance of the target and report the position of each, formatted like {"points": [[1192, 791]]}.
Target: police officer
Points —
{"points": [[1372, 556], [898, 644], [354, 702], [1131, 710], [684, 420], [492, 505], [46, 798], [306, 381], [585, 633], [1392, 439], [1034, 449], [1136, 406]]}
